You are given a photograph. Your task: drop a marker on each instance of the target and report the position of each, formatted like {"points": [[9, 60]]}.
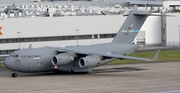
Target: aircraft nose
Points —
{"points": [[7, 62]]}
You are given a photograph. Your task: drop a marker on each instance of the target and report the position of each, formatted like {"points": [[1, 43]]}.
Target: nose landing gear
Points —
{"points": [[14, 74]]}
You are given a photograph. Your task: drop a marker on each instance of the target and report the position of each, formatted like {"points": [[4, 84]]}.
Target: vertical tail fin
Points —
{"points": [[131, 26]]}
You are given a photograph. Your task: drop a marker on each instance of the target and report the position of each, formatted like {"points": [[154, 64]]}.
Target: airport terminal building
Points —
{"points": [[65, 24]]}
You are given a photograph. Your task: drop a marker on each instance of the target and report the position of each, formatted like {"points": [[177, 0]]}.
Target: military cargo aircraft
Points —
{"points": [[81, 58]]}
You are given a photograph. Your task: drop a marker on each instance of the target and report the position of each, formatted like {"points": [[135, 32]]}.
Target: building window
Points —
{"points": [[57, 38]]}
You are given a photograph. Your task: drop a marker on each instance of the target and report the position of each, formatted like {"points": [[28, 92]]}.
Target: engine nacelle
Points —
{"points": [[89, 61], [62, 59]]}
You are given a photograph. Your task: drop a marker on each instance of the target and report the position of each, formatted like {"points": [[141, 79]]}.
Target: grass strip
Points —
{"points": [[2, 65]]}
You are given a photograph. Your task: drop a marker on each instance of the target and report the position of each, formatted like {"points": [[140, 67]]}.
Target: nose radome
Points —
{"points": [[7, 62]]}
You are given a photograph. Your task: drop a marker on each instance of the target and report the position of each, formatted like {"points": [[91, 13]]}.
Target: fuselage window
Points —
{"points": [[24, 56], [29, 56]]}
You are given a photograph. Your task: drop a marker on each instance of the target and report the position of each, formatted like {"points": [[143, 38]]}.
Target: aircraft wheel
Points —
{"points": [[72, 71], [14, 75]]}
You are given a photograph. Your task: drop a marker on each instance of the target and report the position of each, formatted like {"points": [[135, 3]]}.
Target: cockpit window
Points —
{"points": [[16, 56], [11, 55]]}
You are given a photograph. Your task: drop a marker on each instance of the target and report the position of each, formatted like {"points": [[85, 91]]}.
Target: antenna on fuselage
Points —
{"points": [[30, 45]]}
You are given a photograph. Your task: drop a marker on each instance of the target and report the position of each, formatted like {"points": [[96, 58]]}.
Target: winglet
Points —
{"points": [[155, 56], [30, 46]]}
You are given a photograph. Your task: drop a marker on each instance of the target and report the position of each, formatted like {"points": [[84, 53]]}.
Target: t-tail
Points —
{"points": [[131, 26]]}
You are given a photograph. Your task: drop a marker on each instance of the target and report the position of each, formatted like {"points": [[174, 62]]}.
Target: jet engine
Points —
{"points": [[89, 61], [62, 59]]}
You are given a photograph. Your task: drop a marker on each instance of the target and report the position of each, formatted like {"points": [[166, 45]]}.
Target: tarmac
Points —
{"points": [[129, 78]]}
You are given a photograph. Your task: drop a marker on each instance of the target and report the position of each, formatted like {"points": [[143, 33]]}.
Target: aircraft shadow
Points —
{"points": [[94, 72], [118, 69]]}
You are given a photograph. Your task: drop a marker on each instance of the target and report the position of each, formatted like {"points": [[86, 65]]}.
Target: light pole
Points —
{"points": [[77, 35], [18, 40], [179, 34]]}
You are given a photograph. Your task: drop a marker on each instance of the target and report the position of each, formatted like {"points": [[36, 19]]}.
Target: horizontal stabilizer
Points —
{"points": [[141, 13], [145, 13], [138, 13]]}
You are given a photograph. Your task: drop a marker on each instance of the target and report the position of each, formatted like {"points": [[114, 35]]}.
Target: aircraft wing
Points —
{"points": [[108, 55]]}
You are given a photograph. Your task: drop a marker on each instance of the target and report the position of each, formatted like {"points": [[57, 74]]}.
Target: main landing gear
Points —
{"points": [[14, 74]]}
